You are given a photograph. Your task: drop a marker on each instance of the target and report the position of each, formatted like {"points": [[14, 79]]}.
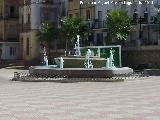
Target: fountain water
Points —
{"points": [[61, 62], [88, 63], [71, 68], [98, 52], [110, 60], [69, 53], [77, 47], [45, 58], [107, 63]]}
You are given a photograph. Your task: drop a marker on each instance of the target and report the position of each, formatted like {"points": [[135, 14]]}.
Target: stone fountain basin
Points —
{"points": [[78, 62], [76, 56], [45, 67], [78, 72]]}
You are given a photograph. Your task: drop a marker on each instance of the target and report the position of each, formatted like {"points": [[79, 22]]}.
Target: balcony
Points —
{"points": [[24, 27], [100, 25], [12, 17], [13, 39], [47, 2], [143, 21], [95, 24]]}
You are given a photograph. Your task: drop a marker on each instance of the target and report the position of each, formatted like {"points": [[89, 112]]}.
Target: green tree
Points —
{"points": [[47, 34], [118, 25], [71, 27], [158, 16]]}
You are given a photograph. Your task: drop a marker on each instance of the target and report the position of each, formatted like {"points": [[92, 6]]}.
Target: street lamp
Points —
{"points": [[140, 24], [138, 20]]}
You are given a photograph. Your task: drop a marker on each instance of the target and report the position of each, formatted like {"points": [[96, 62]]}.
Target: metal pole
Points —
{"points": [[140, 32], [4, 17], [149, 23]]}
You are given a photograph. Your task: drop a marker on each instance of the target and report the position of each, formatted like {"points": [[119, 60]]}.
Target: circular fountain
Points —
{"points": [[90, 65]]}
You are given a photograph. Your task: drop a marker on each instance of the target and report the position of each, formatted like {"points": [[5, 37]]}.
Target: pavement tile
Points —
{"points": [[128, 100]]}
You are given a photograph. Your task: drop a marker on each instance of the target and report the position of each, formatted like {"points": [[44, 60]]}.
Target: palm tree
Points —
{"points": [[47, 34], [72, 27], [118, 25]]}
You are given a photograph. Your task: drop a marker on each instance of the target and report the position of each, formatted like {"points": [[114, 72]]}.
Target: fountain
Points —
{"points": [[77, 47], [107, 63], [80, 65], [61, 62], [98, 53], [65, 53], [69, 53], [88, 63], [45, 58], [110, 60]]}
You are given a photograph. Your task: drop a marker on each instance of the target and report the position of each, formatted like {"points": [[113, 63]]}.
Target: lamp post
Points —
{"points": [[139, 21], [140, 27]]}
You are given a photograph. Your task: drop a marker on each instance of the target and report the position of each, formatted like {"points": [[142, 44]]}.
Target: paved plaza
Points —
{"points": [[129, 100]]}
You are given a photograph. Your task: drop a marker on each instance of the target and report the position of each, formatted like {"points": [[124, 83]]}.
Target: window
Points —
{"points": [[12, 51], [28, 21], [12, 11], [146, 16], [123, 7], [77, 14], [88, 15], [100, 19], [70, 15], [99, 38], [22, 19], [27, 47]]}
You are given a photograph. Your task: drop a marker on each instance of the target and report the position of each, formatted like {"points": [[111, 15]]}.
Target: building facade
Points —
{"points": [[84, 9], [73, 8], [141, 12], [32, 14], [9, 32]]}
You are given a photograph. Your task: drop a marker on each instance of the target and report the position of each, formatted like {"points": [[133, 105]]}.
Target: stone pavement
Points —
{"points": [[129, 100]]}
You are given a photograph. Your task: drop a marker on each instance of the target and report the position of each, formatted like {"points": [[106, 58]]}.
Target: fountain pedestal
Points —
{"points": [[73, 66], [79, 72]]}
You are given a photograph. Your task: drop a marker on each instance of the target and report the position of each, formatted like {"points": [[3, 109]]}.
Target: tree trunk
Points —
{"points": [[113, 39], [66, 44]]}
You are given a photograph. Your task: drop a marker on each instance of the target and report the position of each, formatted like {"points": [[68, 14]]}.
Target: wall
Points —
{"points": [[6, 53], [33, 45], [134, 58], [74, 7], [103, 8], [23, 39], [35, 16]]}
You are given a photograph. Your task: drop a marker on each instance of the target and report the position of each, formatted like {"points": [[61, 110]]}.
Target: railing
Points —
{"points": [[149, 42], [47, 2], [13, 39], [24, 27], [94, 24], [100, 24], [143, 21], [10, 16]]}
